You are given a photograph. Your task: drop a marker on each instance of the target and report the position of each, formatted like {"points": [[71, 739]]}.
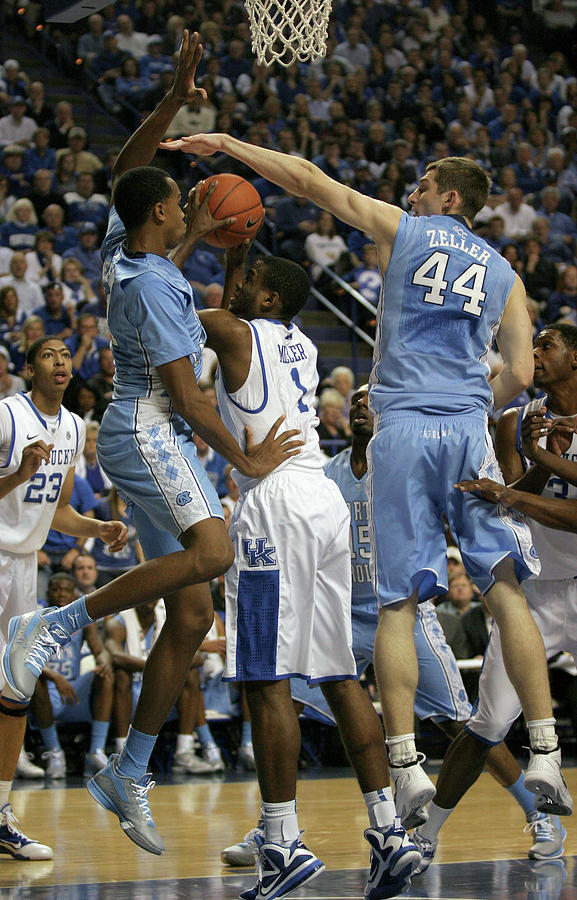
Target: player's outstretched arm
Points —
{"points": [[69, 521], [142, 145], [550, 511], [559, 437], [510, 461], [304, 179], [515, 342]]}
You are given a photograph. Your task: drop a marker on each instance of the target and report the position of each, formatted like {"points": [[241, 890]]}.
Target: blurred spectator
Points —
{"points": [[495, 233], [562, 304], [91, 43], [58, 318], [105, 68], [7, 200], [85, 402], [84, 204], [42, 194], [64, 175], [324, 247], [89, 468], [213, 464], [84, 160], [37, 107], [342, 379], [366, 278], [112, 565], [15, 82], [128, 40], [295, 219], [154, 60], [43, 264], [560, 224], [85, 572], [131, 85], [356, 53], [84, 345], [16, 127], [158, 89], [60, 550], [9, 384], [87, 252], [77, 288], [61, 124], [98, 309], [65, 236], [235, 63], [203, 268], [517, 215], [198, 116], [32, 329], [528, 177], [11, 318], [103, 382], [553, 247], [540, 274], [461, 595], [19, 230], [331, 428], [13, 168], [29, 293]]}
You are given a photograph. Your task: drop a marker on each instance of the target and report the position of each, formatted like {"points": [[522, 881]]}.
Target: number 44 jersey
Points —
{"points": [[26, 512], [442, 300], [282, 381]]}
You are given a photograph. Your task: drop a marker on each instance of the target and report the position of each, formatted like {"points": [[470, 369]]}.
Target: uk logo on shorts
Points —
{"points": [[261, 555], [183, 498]]}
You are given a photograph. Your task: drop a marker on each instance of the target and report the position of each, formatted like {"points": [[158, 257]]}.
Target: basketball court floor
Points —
{"points": [[482, 852]]}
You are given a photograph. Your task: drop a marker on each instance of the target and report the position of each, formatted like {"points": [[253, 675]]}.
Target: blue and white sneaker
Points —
{"points": [[128, 799], [426, 848], [14, 842], [549, 836], [394, 858], [31, 643], [282, 869]]}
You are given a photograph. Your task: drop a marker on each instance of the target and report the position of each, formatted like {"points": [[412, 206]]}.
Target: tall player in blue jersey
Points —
{"points": [[146, 448], [446, 295]]}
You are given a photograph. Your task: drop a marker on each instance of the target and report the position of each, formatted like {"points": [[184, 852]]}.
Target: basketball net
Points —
{"points": [[286, 31]]}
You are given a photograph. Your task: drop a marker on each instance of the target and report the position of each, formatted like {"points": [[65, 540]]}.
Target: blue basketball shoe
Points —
{"points": [[31, 643], [13, 841], [282, 869], [394, 858], [128, 799]]}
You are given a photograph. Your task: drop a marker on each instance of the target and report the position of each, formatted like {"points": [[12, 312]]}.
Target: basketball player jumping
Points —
{"points": [[40, 444], [445, 296]]}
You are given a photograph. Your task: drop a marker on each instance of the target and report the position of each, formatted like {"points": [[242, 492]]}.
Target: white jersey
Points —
{"points": [[557, 550], [282, 381], [26, 513]]}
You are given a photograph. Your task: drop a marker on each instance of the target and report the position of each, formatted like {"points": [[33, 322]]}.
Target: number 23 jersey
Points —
{"points": [[26, 513], [444, 293]]}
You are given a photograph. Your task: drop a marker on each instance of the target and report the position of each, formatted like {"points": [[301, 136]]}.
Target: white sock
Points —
{"points": [[437, 817], [542, 735], [381, 807], [119, 744], [183, 743], [280, 822], [5, 788], [402, 749]]}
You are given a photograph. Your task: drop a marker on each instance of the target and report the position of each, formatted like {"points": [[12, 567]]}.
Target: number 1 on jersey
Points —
{"points": [[295, 377]]}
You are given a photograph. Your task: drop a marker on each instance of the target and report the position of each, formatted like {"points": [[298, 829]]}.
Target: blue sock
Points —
{"points": [[524, 798], [204, 735], [72, 617], [246, 735], [50, 738], [134, 758], [98, 735]]}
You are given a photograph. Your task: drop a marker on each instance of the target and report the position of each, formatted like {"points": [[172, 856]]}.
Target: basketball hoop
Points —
{"points": [[286, 31]]}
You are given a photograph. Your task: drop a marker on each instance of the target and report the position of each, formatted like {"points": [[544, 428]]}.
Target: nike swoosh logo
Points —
{"points": [[250, 223], [30, 437]]}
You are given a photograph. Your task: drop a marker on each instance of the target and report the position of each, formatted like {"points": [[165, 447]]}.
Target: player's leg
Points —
{"points": [[42, 708], [185, 760], [17, 596], [122, 705], [101, 700]]}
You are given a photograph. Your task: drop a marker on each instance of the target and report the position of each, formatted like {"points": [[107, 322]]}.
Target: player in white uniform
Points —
{"points": [[288, 591], [40, 443], [540, 465]]}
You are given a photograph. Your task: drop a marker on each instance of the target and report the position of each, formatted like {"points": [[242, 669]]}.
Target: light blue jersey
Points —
{"points": [[151, 315], [444, 294], [145, 449]]}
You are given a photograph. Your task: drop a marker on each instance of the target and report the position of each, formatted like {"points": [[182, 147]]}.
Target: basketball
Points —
{"points": [[233, 196]]}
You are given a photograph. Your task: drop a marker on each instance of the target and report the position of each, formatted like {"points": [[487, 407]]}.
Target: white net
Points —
{"points": [[286, 31]]}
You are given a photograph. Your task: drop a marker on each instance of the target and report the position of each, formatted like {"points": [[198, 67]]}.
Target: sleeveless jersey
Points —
{"points": [[26, 513], [556, 549], [282, 380], [354, 492], [442, 300], [151, 317]]}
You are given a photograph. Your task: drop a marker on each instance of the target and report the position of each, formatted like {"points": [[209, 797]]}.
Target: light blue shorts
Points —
{"points": [[440, 692], [152, 462], [81, 711], [414, 461]]}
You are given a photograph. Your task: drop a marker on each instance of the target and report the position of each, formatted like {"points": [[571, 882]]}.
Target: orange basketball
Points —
{"points": [[233, 196]]}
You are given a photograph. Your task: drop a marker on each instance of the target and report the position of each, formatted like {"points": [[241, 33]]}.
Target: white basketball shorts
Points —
{"points": [[18, 593]]}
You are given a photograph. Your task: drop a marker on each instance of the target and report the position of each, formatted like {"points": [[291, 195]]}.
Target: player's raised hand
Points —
{"points": [[199, 219], [199, 144], [184, 88], [561, 434], [534, 427], [33, 456], [490, 490], [115, 534], [272, 451]]}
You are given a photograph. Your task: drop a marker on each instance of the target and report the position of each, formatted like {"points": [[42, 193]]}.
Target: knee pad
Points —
{"points": [[15, 712]]}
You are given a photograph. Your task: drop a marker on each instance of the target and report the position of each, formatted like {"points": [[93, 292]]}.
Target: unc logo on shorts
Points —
{"points": [[533, 552], [183, 498], [259, 555]]}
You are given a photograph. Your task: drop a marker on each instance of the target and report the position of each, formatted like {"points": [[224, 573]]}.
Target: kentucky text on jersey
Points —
{"points": [[438, 237], [62, 457], [291, 354]]}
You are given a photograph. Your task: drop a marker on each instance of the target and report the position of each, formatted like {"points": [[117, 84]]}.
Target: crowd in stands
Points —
{"points": [[402, 83]]}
